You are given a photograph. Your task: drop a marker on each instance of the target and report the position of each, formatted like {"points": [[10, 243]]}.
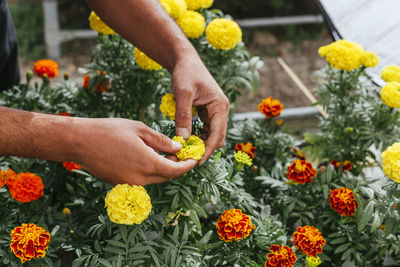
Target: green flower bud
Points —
{"points": [[348, 130]]}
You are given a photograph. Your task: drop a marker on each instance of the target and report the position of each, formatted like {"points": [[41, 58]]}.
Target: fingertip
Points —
{"points": [[184, 132]]}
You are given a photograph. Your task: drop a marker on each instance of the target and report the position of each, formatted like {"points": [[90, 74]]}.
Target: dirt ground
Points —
{"points": [[303, 58]]}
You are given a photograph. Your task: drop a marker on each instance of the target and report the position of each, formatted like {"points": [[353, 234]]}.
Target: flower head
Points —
{"points": [[298, 154], [343, 55], [128, 204], [390, 94], [193, 148], [301, 171], [234, 225], [312, 261], [46, 66], [29, 241], [247, 148], [192, 23], [270, 107], [342, 201], [25, 187], [280, 256], [146, 63], [369, 59], [243, 158], [5, 175], [346, 165], [64, 113], [98, 25], [197, 4], [223, 34], [391, 162], [174, 8], [71, 166], [100, 87], [168, 106], [66, 212], [309, 240], [391, 73]]}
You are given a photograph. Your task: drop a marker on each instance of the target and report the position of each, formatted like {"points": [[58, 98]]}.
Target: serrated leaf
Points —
{"points": [[342, 248], [365, 216]]}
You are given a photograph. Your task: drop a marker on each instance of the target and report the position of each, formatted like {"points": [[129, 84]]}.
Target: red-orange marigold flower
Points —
{"points": [[247, 148], [234, 225], [64, 113], [309, 240], [270, 107], [25, 187], [280, 256], [301, 171], [71, 166], [99, 87], [346, 165], [5, 175], [342, 201], [46, 66], [29, 241]]}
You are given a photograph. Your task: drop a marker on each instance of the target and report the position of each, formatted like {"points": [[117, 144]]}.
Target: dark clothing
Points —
{"points": [[9, 71]]}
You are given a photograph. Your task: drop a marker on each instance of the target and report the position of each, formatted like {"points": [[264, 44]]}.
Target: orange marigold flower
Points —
{"points": [[342, 201], [234, 225], [29, 241], [299, 154], [346, 165], [25, 187], [46, 66], [64, 113], [309, 240], [301, 171], [335, 164], [5, 175], [99, 88], [247, 148], [280, 256], [278, 122], [270, 107], [71, 166]]}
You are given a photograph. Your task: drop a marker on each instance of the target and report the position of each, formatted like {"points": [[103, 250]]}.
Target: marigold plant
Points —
{"points": [[192, 23], [46, 66], [145, 62], [29, 241], [391, 73], [301, 171], [247, 148], [128, 204], [309, 240], [234, 225], [223, 34], [280, 256], [342, 201], [390, 162], [99, 87], [71, 166], [270, 107], [98, 25], [243, 158], [5, 175], [390, 94], [25, 187], [192, 148]]}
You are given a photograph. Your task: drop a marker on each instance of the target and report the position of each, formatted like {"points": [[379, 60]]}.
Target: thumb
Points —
{"points": [[159, 142], [183, 113]]}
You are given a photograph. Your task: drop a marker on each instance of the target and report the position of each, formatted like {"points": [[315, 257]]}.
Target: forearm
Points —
{"points": [[145, 24], [35, 135]]}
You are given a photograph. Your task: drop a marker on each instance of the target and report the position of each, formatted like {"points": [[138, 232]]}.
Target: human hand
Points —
{"points": [[126, 151], [193, 85]]}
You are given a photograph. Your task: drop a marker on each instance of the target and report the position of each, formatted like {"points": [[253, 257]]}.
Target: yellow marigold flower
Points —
{"points": [[369, 59], [66, 212], [391, 162], [192, 23], [98, 25], [29, 241], [174, 8], [391, 74], [197, 4], [390, 94], [243, 158], [247, 148], [168, 106], [312, 261], [223, 34], [193, 148], [128, 204], [146, 63], [234, 225], [343, 55]]}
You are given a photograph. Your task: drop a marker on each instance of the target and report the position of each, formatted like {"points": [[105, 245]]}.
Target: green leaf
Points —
{"points": [[104, 262], [114, 250], [205, 239], [116, 243], [339, 240], [376, 222], [365, 216], [325, 191], [342, 248], [195, 218]]}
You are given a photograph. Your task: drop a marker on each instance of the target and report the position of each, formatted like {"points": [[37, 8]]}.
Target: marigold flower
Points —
{"points": [[247, 148], [312, 261], [46, 66], [98, 25], [298, 154], [234, 225], [243, 158], [301, 171], [391, 73], [390, 94], [346, 165], [343, 55], [100, 87], [174, 8], [66, 212], [342, 201], [5, 175], [192, 23], [197, 4], [280, 256], [391, 162], [193, 148], [25, 187], [64, 113], [168, 106], [128, 204], [270, 107], [369, 59], [71, 166], [29, 241], [146, 63], [309, 240], [278, 122], [223, 34]]}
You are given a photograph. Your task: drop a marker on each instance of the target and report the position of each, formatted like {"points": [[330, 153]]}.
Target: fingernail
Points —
{"points": [[176, 145], [183, 132]]}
